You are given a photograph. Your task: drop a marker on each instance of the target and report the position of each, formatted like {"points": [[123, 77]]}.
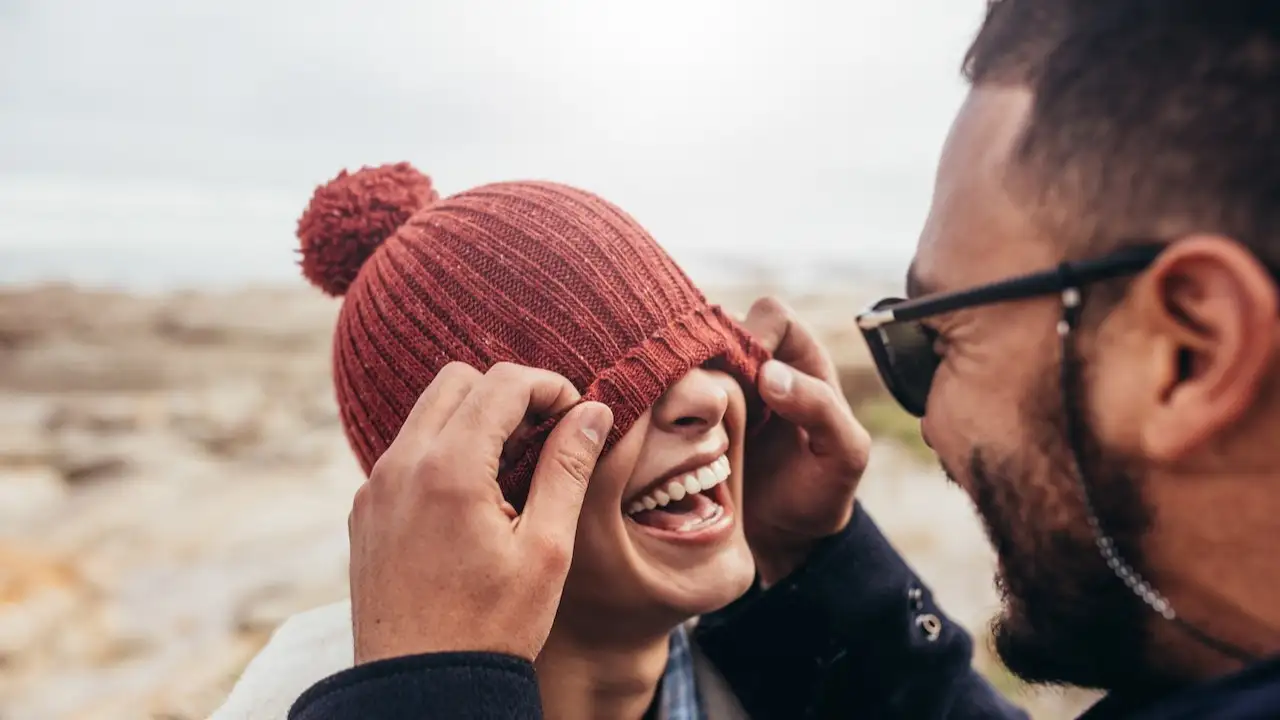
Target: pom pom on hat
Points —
{"points": [[351, 215]]}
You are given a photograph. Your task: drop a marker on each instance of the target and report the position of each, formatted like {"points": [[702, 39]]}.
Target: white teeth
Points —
{"points": [[691, 484], [700, 480], [708, 478]]}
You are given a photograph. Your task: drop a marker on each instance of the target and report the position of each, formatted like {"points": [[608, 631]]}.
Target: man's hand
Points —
{"points": [[804, 466], [439, 561]]}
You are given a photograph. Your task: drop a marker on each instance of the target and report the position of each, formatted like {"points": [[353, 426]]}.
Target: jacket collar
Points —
{"points": [[1250, 694]]}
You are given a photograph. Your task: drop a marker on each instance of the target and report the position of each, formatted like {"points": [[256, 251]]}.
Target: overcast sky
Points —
{"points": [[181, 138]]}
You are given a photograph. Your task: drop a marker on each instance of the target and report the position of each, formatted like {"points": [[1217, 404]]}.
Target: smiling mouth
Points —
{"points": [[688, 503]]}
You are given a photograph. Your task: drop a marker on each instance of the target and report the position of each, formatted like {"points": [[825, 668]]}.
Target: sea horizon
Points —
{"points": [[149, 269]]}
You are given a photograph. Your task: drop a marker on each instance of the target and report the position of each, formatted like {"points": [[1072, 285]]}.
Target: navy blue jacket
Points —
{"points": [[853, 634]]}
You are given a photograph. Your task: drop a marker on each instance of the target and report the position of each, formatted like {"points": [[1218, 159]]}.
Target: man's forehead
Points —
{"points": [[976, 231]]}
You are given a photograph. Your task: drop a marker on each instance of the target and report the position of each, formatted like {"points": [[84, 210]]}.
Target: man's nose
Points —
{"points": [[696, 403]]}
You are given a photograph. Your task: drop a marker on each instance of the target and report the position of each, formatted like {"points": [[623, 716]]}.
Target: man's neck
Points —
{"points": [[585, 680], [1214, 554]]}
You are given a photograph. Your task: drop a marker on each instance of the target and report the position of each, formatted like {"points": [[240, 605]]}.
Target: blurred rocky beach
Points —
{"points": [[174, 482]]}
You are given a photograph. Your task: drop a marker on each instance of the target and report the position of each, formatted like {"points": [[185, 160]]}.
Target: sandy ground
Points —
{"points": [[174, 483]]}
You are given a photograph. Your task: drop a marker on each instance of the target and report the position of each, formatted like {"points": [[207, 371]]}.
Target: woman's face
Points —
{"points": [[660, 539]]}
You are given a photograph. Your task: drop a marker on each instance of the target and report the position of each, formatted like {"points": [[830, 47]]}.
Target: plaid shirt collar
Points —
{"points": [[678, 696]]}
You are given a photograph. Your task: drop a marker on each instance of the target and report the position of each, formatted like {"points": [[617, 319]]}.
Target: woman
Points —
{"points": [[548, 276]]}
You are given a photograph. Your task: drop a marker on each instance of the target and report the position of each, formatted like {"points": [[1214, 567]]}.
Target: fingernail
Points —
{"points": [[596, 423], [777, 378]]}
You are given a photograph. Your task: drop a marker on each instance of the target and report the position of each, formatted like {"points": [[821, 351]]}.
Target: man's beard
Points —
{"points": [[1067, 617]]}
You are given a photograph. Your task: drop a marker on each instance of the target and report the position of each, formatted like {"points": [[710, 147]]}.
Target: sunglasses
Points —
{"points": [[905, 349]]}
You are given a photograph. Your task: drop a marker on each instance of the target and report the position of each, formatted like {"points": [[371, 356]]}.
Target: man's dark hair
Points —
{"points": [[1151, 118]]}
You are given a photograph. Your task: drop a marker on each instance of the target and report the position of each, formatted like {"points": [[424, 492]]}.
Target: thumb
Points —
{"points": [[817, 407], [564, 468]]}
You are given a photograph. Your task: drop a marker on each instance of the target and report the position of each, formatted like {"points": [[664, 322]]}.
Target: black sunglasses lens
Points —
{"points": [[909, 363]]}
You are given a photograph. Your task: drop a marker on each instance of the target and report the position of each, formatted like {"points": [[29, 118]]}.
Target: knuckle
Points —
{"points": [[455, 370], [767, 303], [386, 467], [853, 445], [858, 462], [860, 453], [506, 371], [394, 468], [361, 497], [771, 308], [451, 495], [359, 503], [768, 320], [443, 479], [511, 377], [552, 556], [430, 465]]}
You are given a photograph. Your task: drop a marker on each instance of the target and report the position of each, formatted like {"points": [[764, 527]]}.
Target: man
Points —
{"points": [[1092, 346]]}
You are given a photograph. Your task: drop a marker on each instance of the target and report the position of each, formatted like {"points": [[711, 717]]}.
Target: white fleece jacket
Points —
{"points": [[313, 645]]}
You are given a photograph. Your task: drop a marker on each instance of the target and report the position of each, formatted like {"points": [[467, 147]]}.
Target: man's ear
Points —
{"points": [[1213, 313]]}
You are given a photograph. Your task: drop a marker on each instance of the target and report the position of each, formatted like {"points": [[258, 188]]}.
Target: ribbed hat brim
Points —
{"points": [[635, 383]]}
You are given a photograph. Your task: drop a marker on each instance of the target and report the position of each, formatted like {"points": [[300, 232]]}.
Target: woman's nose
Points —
{"points": [[695, 404]]}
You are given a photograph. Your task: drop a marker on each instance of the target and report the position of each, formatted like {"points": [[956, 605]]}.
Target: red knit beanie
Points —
{"points": [[533, 273]]}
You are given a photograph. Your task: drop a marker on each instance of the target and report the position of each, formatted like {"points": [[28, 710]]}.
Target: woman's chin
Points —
{"points": [[706, 586]]}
